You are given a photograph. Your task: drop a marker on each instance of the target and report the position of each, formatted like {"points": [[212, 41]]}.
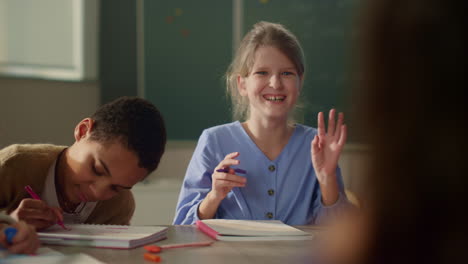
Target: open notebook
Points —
{"points": [[250, 230], [106, 236]]}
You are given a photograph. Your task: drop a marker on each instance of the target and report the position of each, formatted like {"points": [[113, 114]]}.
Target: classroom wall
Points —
{"points": [[41, 111]]}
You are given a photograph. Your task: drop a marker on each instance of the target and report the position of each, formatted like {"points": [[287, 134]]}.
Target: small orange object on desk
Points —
{"points": [[152, 248], [156, 249], [152, 257]]}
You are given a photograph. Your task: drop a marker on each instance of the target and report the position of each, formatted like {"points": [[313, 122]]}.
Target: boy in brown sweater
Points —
{"points": [[90, 181]]}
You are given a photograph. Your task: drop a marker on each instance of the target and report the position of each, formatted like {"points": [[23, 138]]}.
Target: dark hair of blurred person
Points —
{"points": [[414, 72], [412, 105]]}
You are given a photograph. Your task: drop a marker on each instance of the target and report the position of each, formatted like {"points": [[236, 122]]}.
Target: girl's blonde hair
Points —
{"points": [[262, 34]]}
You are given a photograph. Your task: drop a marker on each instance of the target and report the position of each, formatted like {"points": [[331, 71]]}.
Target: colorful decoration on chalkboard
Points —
{"points": [[169, 19], [185, 32], [179, 11]]}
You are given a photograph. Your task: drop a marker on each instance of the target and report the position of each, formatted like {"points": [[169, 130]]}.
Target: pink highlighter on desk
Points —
{"points": [[36, 197]]}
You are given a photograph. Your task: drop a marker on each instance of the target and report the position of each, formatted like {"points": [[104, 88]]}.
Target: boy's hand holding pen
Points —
{"points": [[37, 213]]}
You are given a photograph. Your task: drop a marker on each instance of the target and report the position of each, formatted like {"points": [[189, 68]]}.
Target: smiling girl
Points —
{"points": [[292, 170], [90, 181]]}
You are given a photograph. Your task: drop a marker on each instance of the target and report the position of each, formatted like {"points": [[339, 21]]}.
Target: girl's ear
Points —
{"points": [[241, 85], [83, 129]]}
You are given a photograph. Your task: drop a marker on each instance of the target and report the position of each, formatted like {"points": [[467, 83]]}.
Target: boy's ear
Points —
{"points": [[241, 85], [83, 129]]}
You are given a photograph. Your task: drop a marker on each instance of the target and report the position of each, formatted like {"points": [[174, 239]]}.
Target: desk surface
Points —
{"points": [[271, 252]]}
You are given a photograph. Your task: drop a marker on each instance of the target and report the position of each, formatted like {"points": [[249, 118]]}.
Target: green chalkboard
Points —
{"points": [[188, 47]]}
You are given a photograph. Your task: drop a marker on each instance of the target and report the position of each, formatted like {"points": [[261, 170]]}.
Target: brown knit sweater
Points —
{"points": [[28, 164]]}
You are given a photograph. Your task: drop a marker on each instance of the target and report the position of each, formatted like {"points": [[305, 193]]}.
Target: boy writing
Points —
{"points": [[90, 181]]}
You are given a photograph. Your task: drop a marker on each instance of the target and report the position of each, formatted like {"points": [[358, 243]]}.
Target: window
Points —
{"points": [[50, 39]]}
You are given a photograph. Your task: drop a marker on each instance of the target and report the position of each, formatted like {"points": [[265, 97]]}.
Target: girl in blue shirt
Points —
{"points": [[291, 169]]}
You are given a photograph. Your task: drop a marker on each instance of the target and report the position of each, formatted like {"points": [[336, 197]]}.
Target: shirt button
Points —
{"points": [[271, 168], [271, 192], [269, 215]]}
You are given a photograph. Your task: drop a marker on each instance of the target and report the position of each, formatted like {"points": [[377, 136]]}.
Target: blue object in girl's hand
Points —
{"points": [[236, 170], [10, 233]]}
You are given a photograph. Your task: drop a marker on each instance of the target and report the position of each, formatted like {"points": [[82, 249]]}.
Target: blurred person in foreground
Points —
{"points": [[412, 105]]}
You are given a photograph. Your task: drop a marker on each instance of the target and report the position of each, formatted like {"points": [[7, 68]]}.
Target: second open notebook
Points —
{"points": [[250, 230], [106, 236]]}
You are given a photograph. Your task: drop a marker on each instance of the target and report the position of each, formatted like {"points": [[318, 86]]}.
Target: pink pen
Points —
{"points": [[36, 197]]}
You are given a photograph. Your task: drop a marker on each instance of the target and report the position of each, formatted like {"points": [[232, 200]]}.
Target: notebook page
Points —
{"points": [[252, 228], [109, 232]]}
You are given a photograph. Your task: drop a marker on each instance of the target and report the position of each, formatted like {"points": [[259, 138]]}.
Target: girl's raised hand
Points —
{"points": [[223, 182], [326, 148]]}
